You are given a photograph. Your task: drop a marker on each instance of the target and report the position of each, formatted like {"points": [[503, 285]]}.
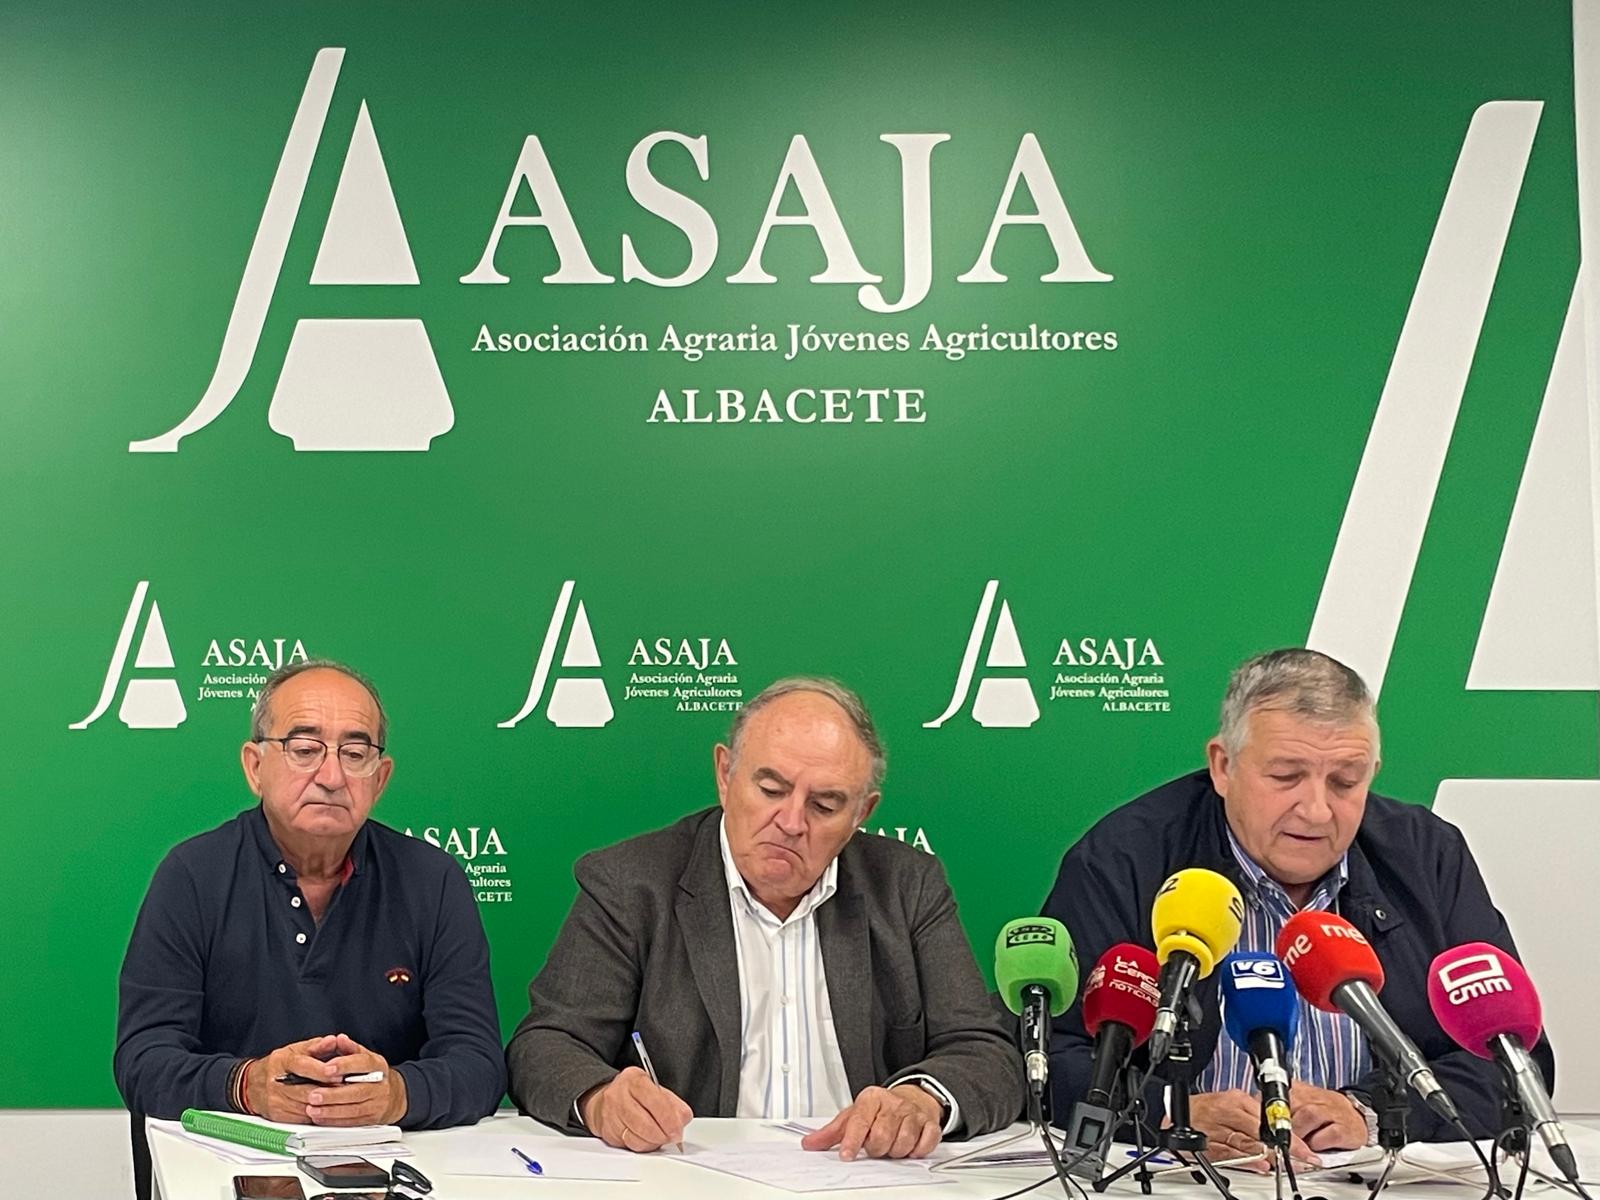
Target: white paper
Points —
{"points": [[785, 1165], [1013, 1151], [471, 1152], [1344, 1160]]}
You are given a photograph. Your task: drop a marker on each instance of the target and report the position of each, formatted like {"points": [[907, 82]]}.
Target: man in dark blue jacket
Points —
{"points": [[1283, 809], [299, 944]]}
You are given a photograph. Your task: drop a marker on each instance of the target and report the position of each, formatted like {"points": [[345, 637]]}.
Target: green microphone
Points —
{"points": [[1036, 970]]}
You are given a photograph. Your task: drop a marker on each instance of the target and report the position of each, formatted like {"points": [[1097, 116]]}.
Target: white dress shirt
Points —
{"points": [[789, 1063]]}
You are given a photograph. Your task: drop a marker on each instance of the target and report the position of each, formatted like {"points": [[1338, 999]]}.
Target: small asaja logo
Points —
{"points": [[399, 976], [1003, 701], [346, 383], [580, 702], [147, 702]]}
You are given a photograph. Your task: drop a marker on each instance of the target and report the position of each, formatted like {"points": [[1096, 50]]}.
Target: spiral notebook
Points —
{"points": [[285, 1139]]}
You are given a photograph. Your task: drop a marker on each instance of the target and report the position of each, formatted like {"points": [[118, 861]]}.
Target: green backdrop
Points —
{"points": [[1259, 180]]}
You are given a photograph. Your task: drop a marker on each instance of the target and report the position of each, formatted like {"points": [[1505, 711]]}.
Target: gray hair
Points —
{"points": [[261, 714], [853, 707], [1303, 683]]}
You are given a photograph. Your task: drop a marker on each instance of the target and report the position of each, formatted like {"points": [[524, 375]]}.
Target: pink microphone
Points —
{"points": [[1478, 993], [1485, 1001]]}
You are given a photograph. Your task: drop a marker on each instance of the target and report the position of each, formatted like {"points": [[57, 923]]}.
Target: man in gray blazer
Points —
{"points": [[773, 964]]}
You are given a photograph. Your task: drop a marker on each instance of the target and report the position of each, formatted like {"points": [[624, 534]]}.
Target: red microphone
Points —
{"points": [[1119, 1010], [1322, 950], [1485, 1001], [1120, 1001], [1336, 969]]}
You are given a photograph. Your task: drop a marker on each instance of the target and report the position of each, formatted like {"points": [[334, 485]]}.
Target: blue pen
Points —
{"points": [[533, 1167], [1157, 1159]]}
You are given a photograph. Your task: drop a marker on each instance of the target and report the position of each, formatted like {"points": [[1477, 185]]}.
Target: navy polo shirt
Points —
{"points": [[225, 962]]}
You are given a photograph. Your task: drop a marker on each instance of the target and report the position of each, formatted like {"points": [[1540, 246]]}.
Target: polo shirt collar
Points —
{"points": [[272, 855]]}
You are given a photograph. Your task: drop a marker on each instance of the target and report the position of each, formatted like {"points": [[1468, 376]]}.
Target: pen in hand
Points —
{"points": [[649, 1069], [533, 1167]]}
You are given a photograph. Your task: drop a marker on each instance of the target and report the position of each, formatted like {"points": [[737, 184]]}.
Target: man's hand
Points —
{"points": [[632, 1113], [287, 1101], [335, 1103], [1231, 1121], [1326, 1120], [898, 1122]]}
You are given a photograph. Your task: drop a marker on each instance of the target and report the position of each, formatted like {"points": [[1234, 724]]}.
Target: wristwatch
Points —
{"points": [[1367, 1115]]}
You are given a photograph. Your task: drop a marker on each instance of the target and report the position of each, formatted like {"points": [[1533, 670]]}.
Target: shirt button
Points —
{"points": [[282, 870], [783, 1000], [295, 900], [301, 938], [785, 1068]]}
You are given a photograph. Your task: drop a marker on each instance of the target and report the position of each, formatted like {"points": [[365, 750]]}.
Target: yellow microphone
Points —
{"points": [[1195, 921]]}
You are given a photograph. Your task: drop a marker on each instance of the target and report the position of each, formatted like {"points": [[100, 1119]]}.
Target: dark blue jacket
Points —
{"points": [[1413, 890], [225, 962]]}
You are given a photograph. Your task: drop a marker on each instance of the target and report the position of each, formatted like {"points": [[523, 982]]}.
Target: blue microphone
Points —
{"points": [[1260, 1009]]}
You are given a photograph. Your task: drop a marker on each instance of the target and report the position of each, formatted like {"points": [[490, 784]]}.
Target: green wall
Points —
{"points": [[1260, 181]]}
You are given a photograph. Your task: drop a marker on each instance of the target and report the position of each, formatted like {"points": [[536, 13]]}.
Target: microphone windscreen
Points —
{"points": [[1123, 987], [1477, 992], [1323, 950], [1198, 911], [1257, 993], [1036, 950]]}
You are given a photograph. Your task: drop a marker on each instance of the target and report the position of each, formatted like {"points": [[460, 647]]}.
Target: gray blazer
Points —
{"points": [[649, 945]]}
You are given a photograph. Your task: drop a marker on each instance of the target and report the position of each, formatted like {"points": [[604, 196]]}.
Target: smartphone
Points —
{"points": [[343, 1171], [360, 1077], [267, 1187]]}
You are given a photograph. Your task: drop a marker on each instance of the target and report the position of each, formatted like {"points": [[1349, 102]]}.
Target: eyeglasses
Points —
{"points": [[356, 759]]}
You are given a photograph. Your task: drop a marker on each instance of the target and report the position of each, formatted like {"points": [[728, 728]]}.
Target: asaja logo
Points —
{"points": [[1003, 701], [232, 668], [1120, 674], [346, 383], [693, 674], [148, 702], [575, 702], [480, 852]]}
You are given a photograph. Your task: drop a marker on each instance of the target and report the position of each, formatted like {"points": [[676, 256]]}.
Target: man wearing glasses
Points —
{"points": [[301, 963]]}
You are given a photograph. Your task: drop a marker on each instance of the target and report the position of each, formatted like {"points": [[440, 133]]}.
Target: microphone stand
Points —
{"points": [[1180, 1138], [1514, 1136], [1389, 1102], [1133, 1081], [1282, 1164], [1034, 1038]]}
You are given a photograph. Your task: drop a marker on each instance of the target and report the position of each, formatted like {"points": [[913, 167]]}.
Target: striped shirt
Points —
{"points": [[789, 1060], [1330, 1051], [789, 1063]]}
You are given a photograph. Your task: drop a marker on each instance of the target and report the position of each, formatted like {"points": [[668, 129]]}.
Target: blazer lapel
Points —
{"points": [[707, 927], [847, 965]]}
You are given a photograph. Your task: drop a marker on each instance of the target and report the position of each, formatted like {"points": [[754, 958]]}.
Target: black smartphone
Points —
{"points": [[267, 1187], [343, 1171]]}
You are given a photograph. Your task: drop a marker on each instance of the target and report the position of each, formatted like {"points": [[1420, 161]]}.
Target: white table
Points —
{"points": [[186, 1171]]}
